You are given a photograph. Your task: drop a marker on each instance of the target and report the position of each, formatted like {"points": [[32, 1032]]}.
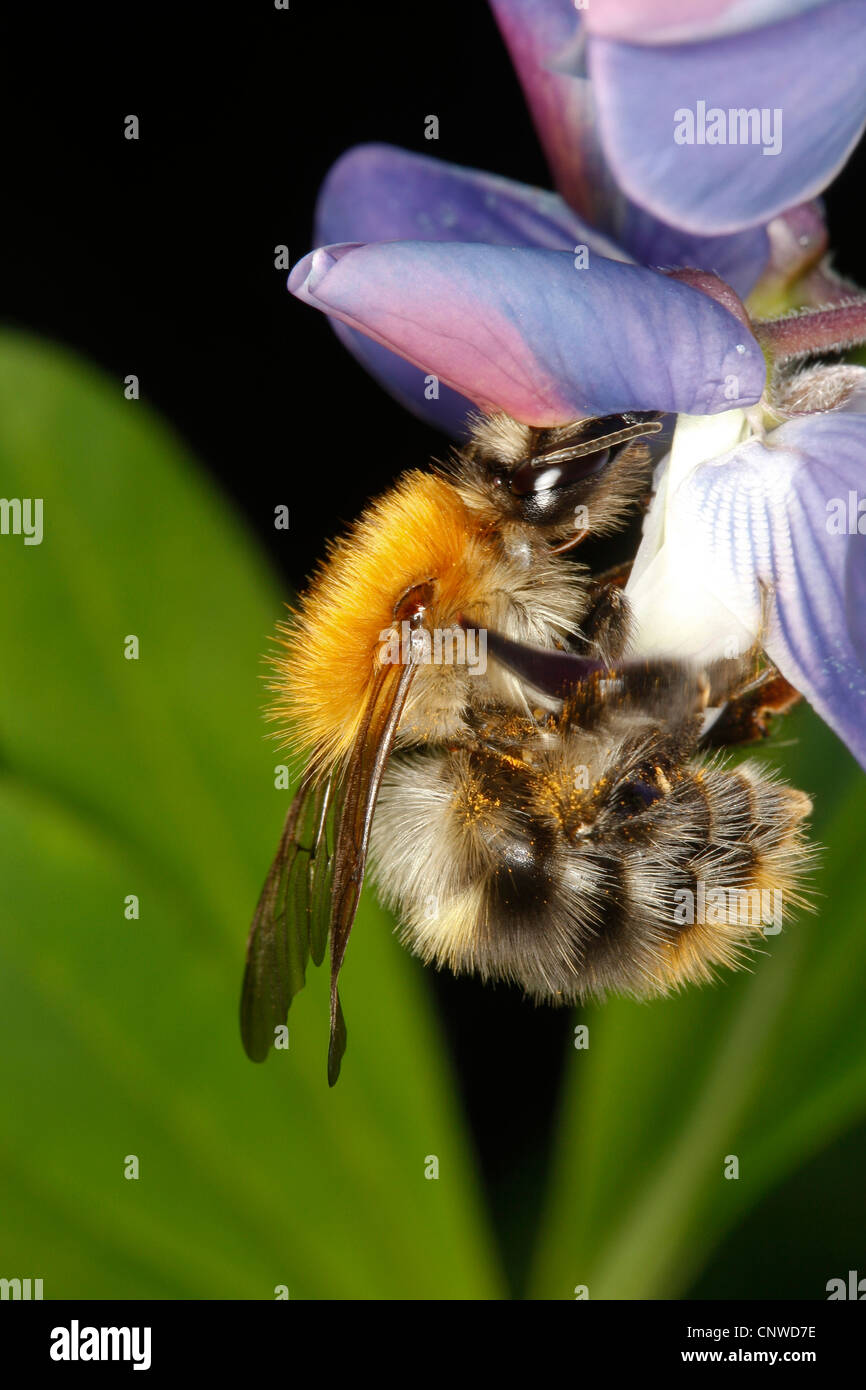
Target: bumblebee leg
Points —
{"points": [[745, 717], [606, 625], [617, 575]]}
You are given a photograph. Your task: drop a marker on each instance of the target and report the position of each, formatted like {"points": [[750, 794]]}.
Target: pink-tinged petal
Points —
{"points": [[543, 38], [656, 106], [788, 513], [382, 193], [529, 332], [686, 21]]}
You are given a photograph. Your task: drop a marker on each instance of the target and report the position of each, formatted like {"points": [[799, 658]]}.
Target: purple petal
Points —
{"points": [[526, 331], [673, 21], [544, 40], [784, 512], [739, 259], [803, 78], [382, 193]]}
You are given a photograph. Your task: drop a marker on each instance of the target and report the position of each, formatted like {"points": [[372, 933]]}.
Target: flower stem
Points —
{"points": [[812, 331]]}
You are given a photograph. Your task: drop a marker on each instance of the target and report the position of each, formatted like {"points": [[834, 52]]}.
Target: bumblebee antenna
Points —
{"points": [[610, 439]]}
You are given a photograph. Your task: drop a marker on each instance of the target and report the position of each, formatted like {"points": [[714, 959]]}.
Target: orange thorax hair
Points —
{"points": [[419, 530]]}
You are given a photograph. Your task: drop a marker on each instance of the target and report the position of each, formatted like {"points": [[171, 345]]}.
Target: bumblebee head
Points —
{"points": [[568, 481]]}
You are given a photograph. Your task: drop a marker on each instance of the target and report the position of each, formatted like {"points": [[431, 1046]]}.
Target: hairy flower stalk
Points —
{"points": [[810, 332]]}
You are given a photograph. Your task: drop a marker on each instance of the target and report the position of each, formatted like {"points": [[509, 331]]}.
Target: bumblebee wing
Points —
{"points": [[293, 914], [364, 773], [315, 881]]}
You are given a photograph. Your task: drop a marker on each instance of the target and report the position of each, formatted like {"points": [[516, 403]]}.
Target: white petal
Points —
{"points": [[784, 513], [678, 606]]}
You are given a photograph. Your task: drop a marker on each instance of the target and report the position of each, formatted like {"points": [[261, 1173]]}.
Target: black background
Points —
{"points": [[157, 257]]}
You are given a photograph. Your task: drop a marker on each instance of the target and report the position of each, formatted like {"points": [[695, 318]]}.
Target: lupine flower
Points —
{"points": [[469, 289], [380, 194], [376, 195]]}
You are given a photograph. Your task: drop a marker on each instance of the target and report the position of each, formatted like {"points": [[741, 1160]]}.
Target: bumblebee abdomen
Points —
{"points": [[646, 878]]}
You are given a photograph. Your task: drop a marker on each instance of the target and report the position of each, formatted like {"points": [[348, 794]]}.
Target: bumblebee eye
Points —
{"points": [[532, 478], [412, 605], [547, 493], [564, 467]]}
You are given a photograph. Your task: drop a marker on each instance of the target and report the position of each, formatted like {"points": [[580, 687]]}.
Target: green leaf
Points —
{"points": [[767, 1066], [119, 1037]]}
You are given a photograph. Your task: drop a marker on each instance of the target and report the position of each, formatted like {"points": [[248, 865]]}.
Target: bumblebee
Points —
{"points": [[542, 817]]}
